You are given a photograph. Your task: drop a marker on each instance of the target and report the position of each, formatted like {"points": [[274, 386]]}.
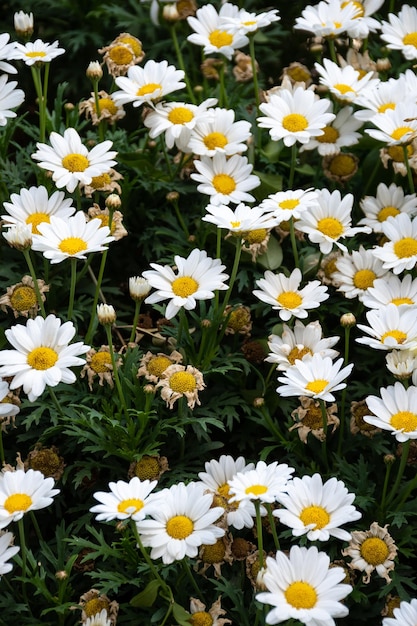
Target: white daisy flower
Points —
{"points": [[391, 327], [327, 18], [316, 377], [21, 492], [10, 98], [402, 363], [42, 355], [225, 180], [300, 343], [395, 410], [290, 204], [19, 236], [391, 290], [400, 31], [317, 509], [217, 131], [264, 483], [285, 295], [196, 279], [37, 51], [356, 272], [99, 619], [182, 522], [400, 252], [329, 220], [216, 480], [147, 83], [345, 83], [240, 220], [386, 96], [363, 23], [212, 35], [388, 202], [404, 615], [7, 551], [33, 206], [7, 409], [6, 54], [73, 237], [247, 22], [69, 160], [125, 500], [295, 116], [176, 120], [303, 586], [396, 126], [341, 132]]}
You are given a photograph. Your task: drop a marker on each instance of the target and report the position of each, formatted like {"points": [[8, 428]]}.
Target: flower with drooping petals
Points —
{"points": [[372, 550]]}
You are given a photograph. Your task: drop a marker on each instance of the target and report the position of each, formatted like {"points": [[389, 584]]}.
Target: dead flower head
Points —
{"points": [[212, 617], [123, 52], [93, 602], [179, 381], [308, 419], [149, 467], [46, 460], [106, 182], [108, 109], [21, 298], [239, 320], [117, 230], [98, 364], [152, 366], [372, 550]]}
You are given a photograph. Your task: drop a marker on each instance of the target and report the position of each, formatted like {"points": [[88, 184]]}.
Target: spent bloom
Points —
{"points": [[372, 550], [42, 355], [21, 492], [71, 162]]}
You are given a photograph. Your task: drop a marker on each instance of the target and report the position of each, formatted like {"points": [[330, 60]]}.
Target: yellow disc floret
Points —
{"points": [[318, 385], [301, 595], [374, 551], [130, 506], [182, 382], [289, 299], [42, 358], [220, 38], [294, 122], [363, 279], [23, 298], [72, 245], [404, 420], [331, 227], [35, 219], [75, 162], [316, 515], [17, 502], [179, 527], [223, 183], [180, 115], [405, 248], [184, 286]]}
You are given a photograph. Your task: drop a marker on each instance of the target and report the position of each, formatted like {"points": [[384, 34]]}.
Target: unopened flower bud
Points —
{"points": [[172, 196], [389, 459], [170, 13], [19, 236], [113, 202], [258, 402], [347, 320], [138, 288], [106, 314], [206, 323], [23, 24], [94, 71], [149, 388], [68, 106], [61, 575]]}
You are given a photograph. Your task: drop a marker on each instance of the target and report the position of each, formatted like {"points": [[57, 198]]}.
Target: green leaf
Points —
{"points": [[147, 596], [181, 616], [271, 259]]}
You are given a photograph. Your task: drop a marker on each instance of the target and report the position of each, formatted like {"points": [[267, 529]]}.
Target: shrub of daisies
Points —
{"points": [[208, 312]]}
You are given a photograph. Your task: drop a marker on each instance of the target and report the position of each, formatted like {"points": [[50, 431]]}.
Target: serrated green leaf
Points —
{"points": [[147, 596]]}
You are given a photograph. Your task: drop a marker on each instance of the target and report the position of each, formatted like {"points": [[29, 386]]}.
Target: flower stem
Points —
{"points": [[72, 288], [332, 49], [403, 462], [2, 458], [294, 243], [385, 487], [271, 520], [259, 533], [324, 418], [90, 330], [181, 61], [233, 275], [26, 254], [343, 398], [188, 573], [135, 320], [409, 172], [107, 328], [292, 165], [148, 560]]}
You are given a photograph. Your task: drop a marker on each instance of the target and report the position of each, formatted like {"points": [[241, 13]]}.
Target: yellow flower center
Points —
{"points": [[331, 227], [399, 301], [133, 43], [215, 140], [35, 219], [223, 183], [330, 135], [72, 245], [238, 319], [255, 236], [184, 286], [220, 38], [256, 490], [182, 382], [95, 605], [289, 204], [301, 595], [315, 515], [405, 247], [363, 279], [298, 74], [298, 353], [385, 107], [130, 506], [147, 468], [33, 54], [106, 104], [100, 362], [374, 550], [147, 89], [42, 358], [404, 420], [121, 55], [75, 162], [358, 6], [214, 553], [398, 335], [294, 122], [158, 364], [399, 132], [342, 165], [201, 618], [397, 154], [179, 527], [23, 298], [318, 385], [104, 220], [98, 182], [17, 502], [180, 115], [289, 299], [343, 88], [387, 211], [410, 40]]}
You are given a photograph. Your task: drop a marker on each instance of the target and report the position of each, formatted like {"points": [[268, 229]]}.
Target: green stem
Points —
{"points": [[272, 524], [403, 462], [294, 243], [259, 533], [344, 392], [135, 320], [180, 218], [181, 61], [324, 418], [233, 275], [148, 560], [73, 282], [107, 328], [332, 49], [56, 401], [36, 526], [222, 95], [26, 254], [292, 165], [188, 573], [2, 458], [23, 549], [409, 172], [90, 329], [385, 487], [37, 81]]}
